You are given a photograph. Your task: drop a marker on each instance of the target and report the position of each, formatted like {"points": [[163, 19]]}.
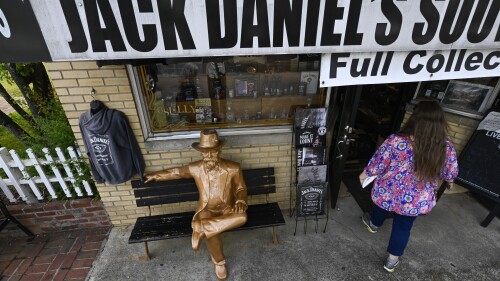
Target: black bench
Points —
{"points": [[168, 226]]}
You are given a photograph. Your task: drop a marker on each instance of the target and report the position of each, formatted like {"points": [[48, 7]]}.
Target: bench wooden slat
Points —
{"points": [[191, 188], [248, 174], [162, 190], [253, 177], [161, 227], [256, 182], [259, 181], [156, 191], [170, 226], [261, 190], [259, 172], [152, 201], [263, 215], [169, 183], [188, 197]]}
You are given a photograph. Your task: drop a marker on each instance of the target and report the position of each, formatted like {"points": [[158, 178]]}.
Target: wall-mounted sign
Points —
{"points": [[338, 69], [124, 29]]}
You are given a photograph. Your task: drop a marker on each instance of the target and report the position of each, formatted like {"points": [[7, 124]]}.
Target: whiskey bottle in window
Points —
{"points": [[174, 114], [229, 112], [273, 85], [199, 89], [266, 87], [217, 87], [279, 89]]}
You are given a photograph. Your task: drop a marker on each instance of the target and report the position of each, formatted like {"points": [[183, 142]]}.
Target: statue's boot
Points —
{"points": [[220, 269]]}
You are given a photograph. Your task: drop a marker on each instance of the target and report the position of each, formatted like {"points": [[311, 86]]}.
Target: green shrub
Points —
{"points": [[9, 141], [54, 131], [11, 88]]}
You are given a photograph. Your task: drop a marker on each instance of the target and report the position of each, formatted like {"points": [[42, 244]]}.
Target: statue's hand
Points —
{"points": [[240, 206], [150, 177]]}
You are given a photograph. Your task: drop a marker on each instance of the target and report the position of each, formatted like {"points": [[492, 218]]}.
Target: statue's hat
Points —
{"points": [[209, 141]]}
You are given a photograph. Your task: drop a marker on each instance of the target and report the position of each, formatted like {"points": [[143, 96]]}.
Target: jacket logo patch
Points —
{"points": [[102, 151]]}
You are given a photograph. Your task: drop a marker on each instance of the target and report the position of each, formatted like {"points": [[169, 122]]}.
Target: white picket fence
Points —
{"points": [[27, 185]]}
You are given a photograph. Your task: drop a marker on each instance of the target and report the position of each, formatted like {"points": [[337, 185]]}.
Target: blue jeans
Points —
{"points": [[401, 227]]}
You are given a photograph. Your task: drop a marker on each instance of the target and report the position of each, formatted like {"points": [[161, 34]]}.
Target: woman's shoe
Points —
{"points": [[368, 223], [390, 264]]}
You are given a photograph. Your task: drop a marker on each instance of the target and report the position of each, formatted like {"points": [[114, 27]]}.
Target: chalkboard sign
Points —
{"points": [[311, 199], [479, 163]]}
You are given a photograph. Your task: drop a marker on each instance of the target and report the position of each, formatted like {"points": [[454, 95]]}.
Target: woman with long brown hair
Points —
{"points": [[408, 166]]}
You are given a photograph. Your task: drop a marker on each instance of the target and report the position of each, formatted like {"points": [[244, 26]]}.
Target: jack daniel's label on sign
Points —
{"points": [[310, 199]]}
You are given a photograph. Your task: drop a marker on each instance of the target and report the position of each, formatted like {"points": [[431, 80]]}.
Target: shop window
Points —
{"points": [[471, 97], [190, 94]]}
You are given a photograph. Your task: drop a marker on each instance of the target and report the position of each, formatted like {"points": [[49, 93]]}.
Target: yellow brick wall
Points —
{"points": [[74, 81]]}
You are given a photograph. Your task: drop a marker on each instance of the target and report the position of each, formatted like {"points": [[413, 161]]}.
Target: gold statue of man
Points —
{"points": [[223, 196]]}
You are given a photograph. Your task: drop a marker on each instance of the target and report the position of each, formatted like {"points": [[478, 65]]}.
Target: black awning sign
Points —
{"points": [[4, 26], [112, 29], [21, 39]]}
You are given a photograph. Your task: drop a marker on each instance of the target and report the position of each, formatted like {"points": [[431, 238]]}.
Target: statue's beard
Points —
{"points": [[210, 164]]}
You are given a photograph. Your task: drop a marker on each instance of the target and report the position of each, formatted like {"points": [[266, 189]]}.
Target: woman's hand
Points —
{"points": [[362, 177]]}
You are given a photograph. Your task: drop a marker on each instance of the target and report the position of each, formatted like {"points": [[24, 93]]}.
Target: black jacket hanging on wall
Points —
{"points": [[111, 146]]}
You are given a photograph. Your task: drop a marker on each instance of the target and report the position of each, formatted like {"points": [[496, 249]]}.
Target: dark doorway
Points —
{"points": [[378, 111]]}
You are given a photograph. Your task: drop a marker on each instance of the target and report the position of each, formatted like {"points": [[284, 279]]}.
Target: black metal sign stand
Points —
{"points": [[9, 218], [295, 205]]}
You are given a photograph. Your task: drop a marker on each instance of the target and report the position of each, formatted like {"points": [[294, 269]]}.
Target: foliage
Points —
{"points": [[24, 69], [54, 129], [4, 74], [7, 139], [11, 88]]}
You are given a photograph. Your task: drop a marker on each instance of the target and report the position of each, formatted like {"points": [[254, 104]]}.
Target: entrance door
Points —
{"points": [[367, 114], [345, 101]]}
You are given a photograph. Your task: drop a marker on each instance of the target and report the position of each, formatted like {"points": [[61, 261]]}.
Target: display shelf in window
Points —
{"points": [[244, 92], [466, 96], [469, 97]]}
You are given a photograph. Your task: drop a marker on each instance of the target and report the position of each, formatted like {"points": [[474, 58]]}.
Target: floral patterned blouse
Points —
{"points": [[395, 188]]}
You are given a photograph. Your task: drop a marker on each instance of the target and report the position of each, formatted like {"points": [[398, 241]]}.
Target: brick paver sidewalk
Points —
{"points": [[54, 256]]}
